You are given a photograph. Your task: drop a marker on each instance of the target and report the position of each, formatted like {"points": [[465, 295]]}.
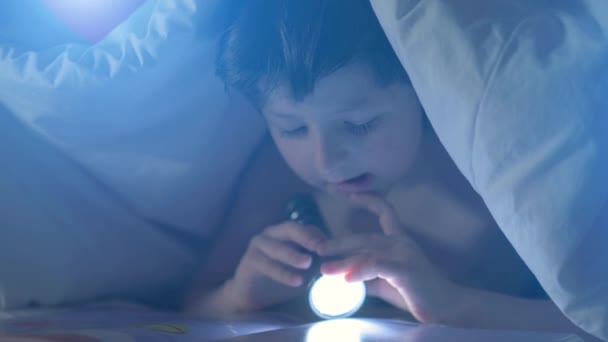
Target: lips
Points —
{"points": [[359, 183]]}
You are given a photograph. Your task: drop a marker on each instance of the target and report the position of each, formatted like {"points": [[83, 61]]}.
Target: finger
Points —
{"points": [[373, 268], [389, 220], [306, 236], [342, 266], [356, 243], [275, 270], [282, 252], [380, 288]]}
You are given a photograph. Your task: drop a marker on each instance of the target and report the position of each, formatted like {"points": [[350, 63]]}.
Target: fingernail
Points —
{"points": [[306, 261], [296, 281]]}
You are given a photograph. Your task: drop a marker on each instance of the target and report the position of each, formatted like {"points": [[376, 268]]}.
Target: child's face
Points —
{"points": [[350, 134]]}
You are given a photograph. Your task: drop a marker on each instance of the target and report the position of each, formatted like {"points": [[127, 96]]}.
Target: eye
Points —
{"points": [[364, 128], [294, 133]]}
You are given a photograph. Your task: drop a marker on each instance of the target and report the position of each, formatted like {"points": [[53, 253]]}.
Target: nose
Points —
{"points": [[330, 158]]}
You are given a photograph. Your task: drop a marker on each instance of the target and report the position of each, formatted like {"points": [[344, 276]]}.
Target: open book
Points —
{"points": [[107, 324]]}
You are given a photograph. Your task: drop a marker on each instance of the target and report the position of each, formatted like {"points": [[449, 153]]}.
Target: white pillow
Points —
{"points": [[517, 91], [102, 146]]}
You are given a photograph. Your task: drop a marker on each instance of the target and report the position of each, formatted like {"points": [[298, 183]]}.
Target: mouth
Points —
{"points": [[360, 183]]}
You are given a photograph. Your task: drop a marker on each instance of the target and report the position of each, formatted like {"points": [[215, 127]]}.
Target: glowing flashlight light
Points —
{"points": [[329, 297], [343, 330], [333, 297]]}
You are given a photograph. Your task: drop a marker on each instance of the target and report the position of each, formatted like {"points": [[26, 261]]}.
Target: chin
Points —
{"points": [[383, 188], [382, 191]]}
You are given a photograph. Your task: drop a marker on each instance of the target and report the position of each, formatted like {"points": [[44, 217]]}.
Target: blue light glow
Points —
{"points": [[92, 19]]}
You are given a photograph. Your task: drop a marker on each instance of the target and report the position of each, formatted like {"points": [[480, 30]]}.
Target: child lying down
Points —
{"points": [[401, 217]]}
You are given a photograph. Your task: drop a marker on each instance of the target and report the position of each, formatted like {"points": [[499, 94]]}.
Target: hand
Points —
{"points": [[394, 266], [273, 268]]}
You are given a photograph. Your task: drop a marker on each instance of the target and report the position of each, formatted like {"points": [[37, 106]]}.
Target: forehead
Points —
{"points": [[347, 89]]}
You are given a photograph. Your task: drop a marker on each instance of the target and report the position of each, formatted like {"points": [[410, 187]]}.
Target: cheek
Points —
{"points": [[299, 158], [393, 151]]}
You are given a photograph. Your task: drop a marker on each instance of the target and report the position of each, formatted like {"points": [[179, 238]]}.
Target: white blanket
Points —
{"points": [[103, 145], [517, 91]]}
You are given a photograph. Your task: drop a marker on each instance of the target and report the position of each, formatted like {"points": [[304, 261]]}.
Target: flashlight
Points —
{"points": [[329, 297]]}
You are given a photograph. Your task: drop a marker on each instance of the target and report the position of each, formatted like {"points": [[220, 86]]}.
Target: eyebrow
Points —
{"points": [[280, 115], [357, 103], [354, 105]]}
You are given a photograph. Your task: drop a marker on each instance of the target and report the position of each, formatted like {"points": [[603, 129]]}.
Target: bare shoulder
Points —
{"points": [[264, 188], [258, 201]]}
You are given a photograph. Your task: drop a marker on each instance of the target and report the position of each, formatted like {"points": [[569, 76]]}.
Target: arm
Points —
{"points": [[406, 278], [259, 201], [490, 310], [215, 302]]}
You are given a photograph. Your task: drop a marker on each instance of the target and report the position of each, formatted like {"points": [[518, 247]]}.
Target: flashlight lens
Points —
{"points": [[334, 297]]}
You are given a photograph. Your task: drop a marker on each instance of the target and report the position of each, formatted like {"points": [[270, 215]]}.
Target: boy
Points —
{"points": [[345, 118]]}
